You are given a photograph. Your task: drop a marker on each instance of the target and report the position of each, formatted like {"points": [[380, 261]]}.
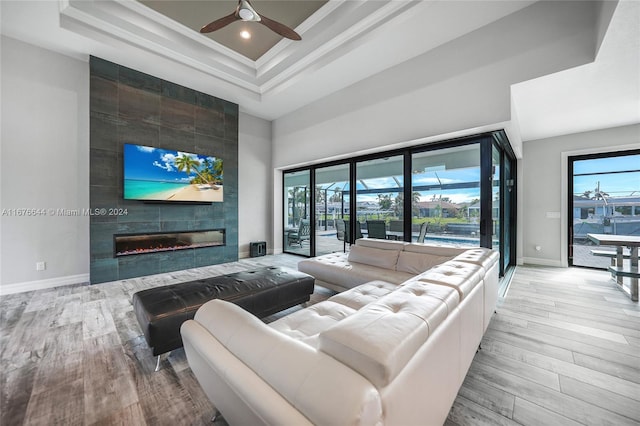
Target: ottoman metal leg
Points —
{"points": [[158, 360]]}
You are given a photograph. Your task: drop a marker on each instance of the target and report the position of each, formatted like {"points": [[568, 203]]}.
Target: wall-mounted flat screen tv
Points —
{"points": [[154, 174]]}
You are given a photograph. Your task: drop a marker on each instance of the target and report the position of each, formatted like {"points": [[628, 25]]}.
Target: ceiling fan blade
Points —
{"points": [[219, 23], [279, 28]]}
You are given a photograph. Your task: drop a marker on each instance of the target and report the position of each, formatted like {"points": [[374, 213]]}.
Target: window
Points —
{"points": [[458, 192], [446, 195]]}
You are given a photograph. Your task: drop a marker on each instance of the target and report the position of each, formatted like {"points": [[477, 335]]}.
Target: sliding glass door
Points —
{"points": [[604, 199], [332, 200], [297, 213]]}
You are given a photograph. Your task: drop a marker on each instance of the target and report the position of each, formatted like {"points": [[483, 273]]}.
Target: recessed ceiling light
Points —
{"points": [[245, 34]]}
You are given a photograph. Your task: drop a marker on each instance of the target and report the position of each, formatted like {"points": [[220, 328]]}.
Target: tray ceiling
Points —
{"points": [[195, 14]]}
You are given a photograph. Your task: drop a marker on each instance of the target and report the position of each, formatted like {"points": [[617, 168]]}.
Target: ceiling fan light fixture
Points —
{"points": [[246, 12]]}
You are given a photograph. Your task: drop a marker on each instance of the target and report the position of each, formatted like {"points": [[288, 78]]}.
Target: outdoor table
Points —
{"points": [[621, 241]]}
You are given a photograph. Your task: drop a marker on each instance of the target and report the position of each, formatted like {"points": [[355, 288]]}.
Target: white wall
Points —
{"points": [[255, 201], [44, 165], [543, 189]]}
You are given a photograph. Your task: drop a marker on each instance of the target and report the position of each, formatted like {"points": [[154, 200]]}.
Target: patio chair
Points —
{"points": [[347, 232], [423, 232], [377, 229], [302, 234], [396, 230]]}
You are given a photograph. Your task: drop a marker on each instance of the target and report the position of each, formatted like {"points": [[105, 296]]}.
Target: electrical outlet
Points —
{"points": [[41, 266]]}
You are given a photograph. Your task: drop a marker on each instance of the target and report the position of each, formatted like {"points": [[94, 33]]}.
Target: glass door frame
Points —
{"points": [[570, 190]]}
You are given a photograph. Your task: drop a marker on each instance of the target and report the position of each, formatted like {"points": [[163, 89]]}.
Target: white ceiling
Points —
{"points": [[342, 43]]}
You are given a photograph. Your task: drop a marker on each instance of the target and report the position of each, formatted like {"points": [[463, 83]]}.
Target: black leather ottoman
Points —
{"points": [[162, 310]]}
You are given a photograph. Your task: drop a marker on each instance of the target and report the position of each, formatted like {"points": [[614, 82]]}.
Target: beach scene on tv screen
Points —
{"points": [[156, 174]]}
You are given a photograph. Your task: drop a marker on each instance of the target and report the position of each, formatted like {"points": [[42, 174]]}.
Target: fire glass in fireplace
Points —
{"points": [[128, 244]]}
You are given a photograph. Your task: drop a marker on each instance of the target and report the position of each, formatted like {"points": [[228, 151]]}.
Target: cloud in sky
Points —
{"points": [[145, 148], [166, 166]]}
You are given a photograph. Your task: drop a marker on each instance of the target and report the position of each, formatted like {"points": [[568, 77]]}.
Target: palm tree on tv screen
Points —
{"points": [[211, 174], [187, 164]]}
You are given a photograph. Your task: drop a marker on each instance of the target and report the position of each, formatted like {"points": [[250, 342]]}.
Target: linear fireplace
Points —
{"points": [[131, 244]]}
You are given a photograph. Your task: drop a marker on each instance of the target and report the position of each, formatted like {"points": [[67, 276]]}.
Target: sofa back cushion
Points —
{"points": [[435, 250], [381, 244], [374, 256], [417, 263], [380, 339]]}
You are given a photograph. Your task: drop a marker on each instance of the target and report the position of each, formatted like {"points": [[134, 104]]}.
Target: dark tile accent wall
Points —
{"points": [[128, 106]]}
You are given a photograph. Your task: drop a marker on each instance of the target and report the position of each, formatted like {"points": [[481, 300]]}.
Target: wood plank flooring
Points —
{"points": [[563, 349]]}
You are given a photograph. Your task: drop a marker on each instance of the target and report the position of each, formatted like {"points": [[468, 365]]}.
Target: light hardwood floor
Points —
{"points": [[563, 349]]}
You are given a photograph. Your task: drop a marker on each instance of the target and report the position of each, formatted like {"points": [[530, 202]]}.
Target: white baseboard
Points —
{"points": [[43, 284], [542, 262]]}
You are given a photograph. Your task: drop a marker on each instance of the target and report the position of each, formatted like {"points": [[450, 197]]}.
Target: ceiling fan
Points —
{"points": [[246, 12]]}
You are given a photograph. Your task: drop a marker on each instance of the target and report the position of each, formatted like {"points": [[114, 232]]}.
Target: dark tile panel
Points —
{"points": [[231, 122], [148, 111], [179, 93], [177, 140], [138, 132], [211, 145], [103, 130], [137, 227], [102, 171], [103, 196], [140, 80], [209, 212], [177, 260], [103, 270], [177, 114], [105, 69], [142, 213], [138, 265], [178, 225], [177, 212], [210, 122], [138, 105], [104, 96], [101, 240], [208, 256]]}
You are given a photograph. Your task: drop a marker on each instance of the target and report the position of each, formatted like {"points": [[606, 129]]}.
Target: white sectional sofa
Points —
{"points": [[383, 352], [373, 259]]}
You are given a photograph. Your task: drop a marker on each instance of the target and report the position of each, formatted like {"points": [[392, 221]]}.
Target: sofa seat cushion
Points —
{"points": [[379, 339], [448, 295], [305, 325], [461, 276], [364, 294], [479, 256], [374, 256], [335, 268]]}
